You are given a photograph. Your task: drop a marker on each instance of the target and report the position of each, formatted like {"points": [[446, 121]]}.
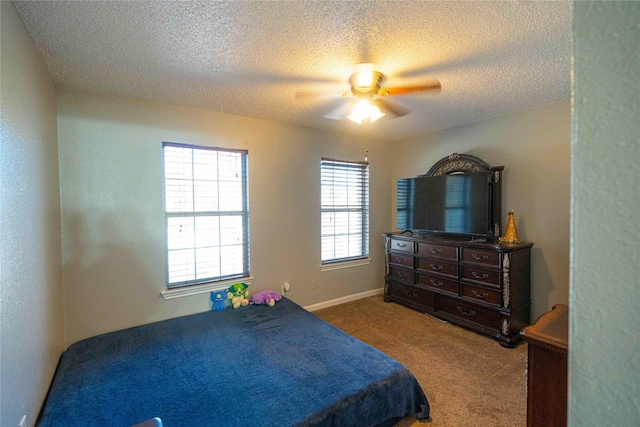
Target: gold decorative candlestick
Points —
{"points": [[511, 232]]}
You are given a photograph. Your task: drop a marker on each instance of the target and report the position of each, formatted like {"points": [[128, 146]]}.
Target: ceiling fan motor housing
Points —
{"points": [[366, 83]]}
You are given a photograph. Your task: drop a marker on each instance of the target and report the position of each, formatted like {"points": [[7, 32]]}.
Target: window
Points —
{"points": [[345, 210], [207, 215]]}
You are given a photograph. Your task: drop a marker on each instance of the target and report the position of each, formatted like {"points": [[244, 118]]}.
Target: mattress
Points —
{"points": [[252, 366]]}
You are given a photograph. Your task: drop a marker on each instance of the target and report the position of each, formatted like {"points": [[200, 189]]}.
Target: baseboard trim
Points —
{"points": [[342, 300]]}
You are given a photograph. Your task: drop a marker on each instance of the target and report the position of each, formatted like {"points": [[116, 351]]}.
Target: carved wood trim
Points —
{"points": [[460, 163], [506, 281]]}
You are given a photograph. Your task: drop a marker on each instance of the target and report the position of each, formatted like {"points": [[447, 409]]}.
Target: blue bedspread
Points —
{"points": [[254, 366]]}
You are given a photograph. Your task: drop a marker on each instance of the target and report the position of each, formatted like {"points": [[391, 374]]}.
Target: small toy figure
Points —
{"points": [[218, 299], [267, 297], [238, 295]]}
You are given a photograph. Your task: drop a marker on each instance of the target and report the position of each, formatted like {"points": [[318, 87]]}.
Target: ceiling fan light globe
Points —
{"points": [[354, 119], [365, 110], [361, 111], [375, 113]]}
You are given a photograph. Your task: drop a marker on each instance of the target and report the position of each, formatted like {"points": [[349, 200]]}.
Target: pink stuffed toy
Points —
{"points": [[265, 297]]}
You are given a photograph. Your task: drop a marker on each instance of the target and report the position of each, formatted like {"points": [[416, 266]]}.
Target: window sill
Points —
{"points": [[345, 264], [186, 291]]}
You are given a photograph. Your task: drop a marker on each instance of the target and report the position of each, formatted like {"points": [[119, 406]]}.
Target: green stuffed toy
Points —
{"points": [[238, 295]]}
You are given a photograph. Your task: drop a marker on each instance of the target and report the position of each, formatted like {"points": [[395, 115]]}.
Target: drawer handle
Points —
{"points": [[480, 295], [401, 245], [398, 260], [435, 251], [479, 257], [436, 267], [479, 276], [411, 294], [434, 283], [466, 313]]}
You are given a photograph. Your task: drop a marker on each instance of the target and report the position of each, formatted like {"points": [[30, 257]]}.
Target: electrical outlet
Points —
{"points": [[314, 284], [285, 288], [23, 421]]}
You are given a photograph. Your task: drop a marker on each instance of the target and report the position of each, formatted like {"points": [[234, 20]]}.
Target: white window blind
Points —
{"points": [[207, 215], [345, 210]]}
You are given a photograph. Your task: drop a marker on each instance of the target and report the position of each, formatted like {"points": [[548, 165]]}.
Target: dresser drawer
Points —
{"points": [[469, 312], [481, 286], [401, 259], [402, 274], [415, 296], [401, 246], [481, 294], [437, 266], [440, 251], [488, 277], [438, 283], [478, 256]]}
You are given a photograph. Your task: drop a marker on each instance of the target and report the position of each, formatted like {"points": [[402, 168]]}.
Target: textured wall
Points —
{"points": [[534, 147], [605, 286], [30, 278], [113, 217]]}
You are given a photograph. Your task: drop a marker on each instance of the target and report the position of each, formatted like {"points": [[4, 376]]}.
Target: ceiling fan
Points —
{"points": [[368, 98]]}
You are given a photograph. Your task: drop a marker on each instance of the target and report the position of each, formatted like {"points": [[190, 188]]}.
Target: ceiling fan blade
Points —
{"points": [[306, 94], [301, 94], [397, 91], [341, 112], [391, 108]]}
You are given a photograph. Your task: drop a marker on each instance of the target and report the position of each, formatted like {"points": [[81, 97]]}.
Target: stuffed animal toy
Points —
{"points": [[219, 300], [265, 297], [238, 295]]}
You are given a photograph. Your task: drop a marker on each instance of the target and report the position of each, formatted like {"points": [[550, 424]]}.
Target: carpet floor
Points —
{"points": [[469, 379]]}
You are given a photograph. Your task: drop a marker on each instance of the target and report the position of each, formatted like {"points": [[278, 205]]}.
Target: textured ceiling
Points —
{"points": [[249, 58]]}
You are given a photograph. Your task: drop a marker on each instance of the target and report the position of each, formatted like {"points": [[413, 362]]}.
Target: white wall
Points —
{"points": [[112, 212], [30, 277], [604, 350], [534, 147]]}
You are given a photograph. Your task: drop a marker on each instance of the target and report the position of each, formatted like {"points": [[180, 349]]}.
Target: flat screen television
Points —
{"points": [[457, 204]]}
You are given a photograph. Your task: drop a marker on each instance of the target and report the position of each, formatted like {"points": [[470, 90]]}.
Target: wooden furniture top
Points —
{"points": [[446, 239], [552, 329]]}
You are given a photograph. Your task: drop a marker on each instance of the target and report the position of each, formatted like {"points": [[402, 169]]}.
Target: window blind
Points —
{"points": [[345, 210], [206, 212]]}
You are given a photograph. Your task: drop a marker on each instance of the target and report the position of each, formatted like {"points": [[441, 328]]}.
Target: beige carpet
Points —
{"points": [[469, 379]]}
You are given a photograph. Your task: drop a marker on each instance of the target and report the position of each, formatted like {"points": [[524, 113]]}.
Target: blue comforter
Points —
{"points": [[254, 366]]}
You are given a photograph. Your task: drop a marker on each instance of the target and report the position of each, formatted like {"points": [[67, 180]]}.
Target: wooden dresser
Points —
{"points": [[478, 285], [548, 340]]}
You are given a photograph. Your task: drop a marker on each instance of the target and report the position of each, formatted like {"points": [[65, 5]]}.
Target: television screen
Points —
{"points": [[457, 204]]}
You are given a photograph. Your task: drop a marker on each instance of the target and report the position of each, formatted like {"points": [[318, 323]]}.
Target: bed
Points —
{"points": [[253, 366]]}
